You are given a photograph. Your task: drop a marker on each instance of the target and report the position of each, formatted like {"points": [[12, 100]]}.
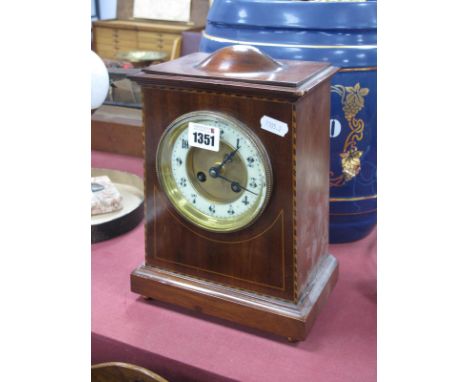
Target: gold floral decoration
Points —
{"points": [[351, 163], [352, 99]]}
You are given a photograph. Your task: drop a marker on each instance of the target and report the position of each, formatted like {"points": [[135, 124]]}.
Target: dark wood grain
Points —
{"points": [[291, 320], [243, 64], [283, 256], [244, 58], [312, 181], [222, 257]]}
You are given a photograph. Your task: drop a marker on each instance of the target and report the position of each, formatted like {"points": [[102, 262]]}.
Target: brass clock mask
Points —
{"points": [[219, 191]]}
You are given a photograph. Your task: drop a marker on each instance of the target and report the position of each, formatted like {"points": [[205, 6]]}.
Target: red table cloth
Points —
{"points": [[185, 346]]}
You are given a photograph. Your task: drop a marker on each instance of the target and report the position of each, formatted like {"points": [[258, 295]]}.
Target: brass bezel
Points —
{"points": [[178, 200]]}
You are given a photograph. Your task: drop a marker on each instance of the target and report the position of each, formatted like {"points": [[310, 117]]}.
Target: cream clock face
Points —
{"points": [[221, 190]]}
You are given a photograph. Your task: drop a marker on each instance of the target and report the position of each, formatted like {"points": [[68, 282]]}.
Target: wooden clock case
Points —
{"points": [[275, 274]]}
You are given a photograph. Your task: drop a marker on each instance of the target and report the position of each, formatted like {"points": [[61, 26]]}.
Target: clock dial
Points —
{"points": [[221, 191]]}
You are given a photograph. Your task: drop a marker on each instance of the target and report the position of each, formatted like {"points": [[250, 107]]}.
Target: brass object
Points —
{"points": [[122, 372], [109, 225], [212, 188], [141, 57], [216, 191]]}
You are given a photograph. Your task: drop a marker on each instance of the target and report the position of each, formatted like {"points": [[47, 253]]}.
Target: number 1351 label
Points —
{"points": [[203, 136]]}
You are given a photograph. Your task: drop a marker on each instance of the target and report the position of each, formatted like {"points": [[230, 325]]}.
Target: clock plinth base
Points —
{"points": [[268, 314]]}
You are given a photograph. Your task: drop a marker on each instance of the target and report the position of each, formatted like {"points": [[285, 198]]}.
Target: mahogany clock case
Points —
{"points": [[275, 274]]}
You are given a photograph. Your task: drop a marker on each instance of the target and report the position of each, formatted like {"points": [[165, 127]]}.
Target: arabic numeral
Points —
{"points": [[250, 161], [253, 183], [184, 144], [245, 200], [231, 210], [183, 182], [203, 139], [212, 208], [194, 198], [179, 161]]}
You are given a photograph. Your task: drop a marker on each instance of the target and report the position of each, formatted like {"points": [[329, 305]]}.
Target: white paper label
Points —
{"points": [[274, 126], [174, 10], [203, 136]]}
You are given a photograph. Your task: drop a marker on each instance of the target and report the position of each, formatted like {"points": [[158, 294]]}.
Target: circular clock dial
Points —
{"points": [[220, 191]]}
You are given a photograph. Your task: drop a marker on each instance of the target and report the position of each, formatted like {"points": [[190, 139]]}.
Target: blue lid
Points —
{"points": [[295, 14]]}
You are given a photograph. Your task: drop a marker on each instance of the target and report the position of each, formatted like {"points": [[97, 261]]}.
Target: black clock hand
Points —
{"points": [[228, 158], [235, 186]]}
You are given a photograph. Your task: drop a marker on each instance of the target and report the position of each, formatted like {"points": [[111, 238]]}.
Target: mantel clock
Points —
{"points": [[236, 186]]}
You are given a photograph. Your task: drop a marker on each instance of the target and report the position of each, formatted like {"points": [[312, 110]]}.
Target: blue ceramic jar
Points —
{"points": [[345, 34]]}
